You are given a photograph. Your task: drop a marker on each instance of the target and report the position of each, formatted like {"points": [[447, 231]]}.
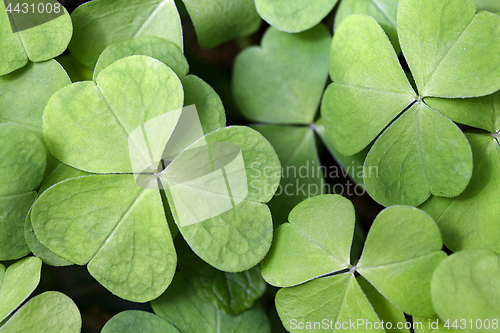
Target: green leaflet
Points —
{"points": [[98, 24], [338, 299], [384, 11], [414, 162], [294, 65], [401, 267], [302, 176], [451, 50], [466, 287], [191, 312], [218, 21], [400, 254], [49, 312], [71, 114], [294, 15], [39, 43], [311, 245], [154, 47], [132, 321], [22, 165], [26, 92], [17, 282], [364, 96], [119, 229], [481, 112], [470, 220]]}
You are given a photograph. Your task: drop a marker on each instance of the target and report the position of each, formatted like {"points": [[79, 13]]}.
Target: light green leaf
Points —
{"points": [[384, 11], [208, 104], [420, 154], [231, 229], [38, 249], [329, 301], [467, 286], [100, 23], [191, 312], [317, 241], [401, 267], [154, 47], [219, 21], [283, 80], [352, 165], [294, 15], [302, 176], [61, 172], [471, 220], [481, 112], [49, 312], [491, 5], [26, 92], [385, 310], [115, 226], [451, 50], [87, 125], [132, 321], [22, 165], [38, 43], [369, 87], [17, 283]]}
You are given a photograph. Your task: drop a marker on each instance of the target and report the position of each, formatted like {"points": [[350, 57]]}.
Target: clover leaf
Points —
{"points": [[294, 15], [132, 321], [100, 23], [218, 21], [22, 166], [366, 72], [400, 254], [491, 5], [119, 228], [465, 288], [21, 39], [384, 11], [295, 66], [48, 312]]}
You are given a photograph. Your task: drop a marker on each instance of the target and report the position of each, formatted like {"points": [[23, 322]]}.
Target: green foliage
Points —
{"points": [[218, 21], [294, 15], [135, 321], [465, 287], [450, 51], [39, 43], [400, 254], [48, 312]]}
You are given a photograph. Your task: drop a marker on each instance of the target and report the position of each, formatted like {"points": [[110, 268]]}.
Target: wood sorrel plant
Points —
{"points": [[115, 155]]}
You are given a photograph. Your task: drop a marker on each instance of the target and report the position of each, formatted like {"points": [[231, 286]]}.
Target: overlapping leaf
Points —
{"points": [[22, 166], [384, 11], [218, 21], [466, 288], [132, 321], [100, 23], [401, 252], [37, 43], [294, 15]]}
